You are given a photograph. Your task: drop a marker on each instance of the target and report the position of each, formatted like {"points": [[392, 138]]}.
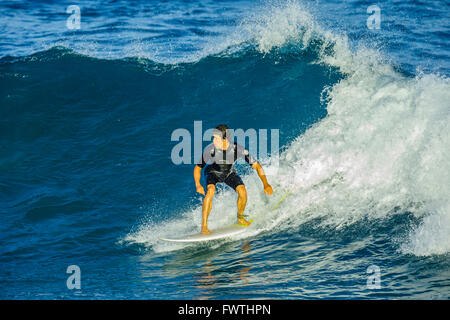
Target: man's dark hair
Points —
{"points": [[222, 130]]}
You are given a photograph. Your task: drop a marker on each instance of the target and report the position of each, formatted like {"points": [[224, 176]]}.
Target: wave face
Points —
{"points": [[88, 179]]}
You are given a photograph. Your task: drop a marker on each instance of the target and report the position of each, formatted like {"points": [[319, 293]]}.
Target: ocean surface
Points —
{"points": [[87, 177]]}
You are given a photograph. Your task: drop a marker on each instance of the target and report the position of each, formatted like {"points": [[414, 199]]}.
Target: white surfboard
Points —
{"points": [[214, 235]]}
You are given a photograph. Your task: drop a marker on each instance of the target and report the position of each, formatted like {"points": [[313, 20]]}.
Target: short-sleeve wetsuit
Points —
{"points": [[221, 166]]}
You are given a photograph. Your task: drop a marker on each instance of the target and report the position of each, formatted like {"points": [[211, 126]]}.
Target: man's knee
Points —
{"points": [[241, 191], [210, 190]]}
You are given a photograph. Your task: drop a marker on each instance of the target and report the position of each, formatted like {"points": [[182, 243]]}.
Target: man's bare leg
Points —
{"points": [[207, 206], [241, 203]]}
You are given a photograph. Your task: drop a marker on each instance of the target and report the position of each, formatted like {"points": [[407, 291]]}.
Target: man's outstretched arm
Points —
{"points": [[267, 188], [197, 175]]}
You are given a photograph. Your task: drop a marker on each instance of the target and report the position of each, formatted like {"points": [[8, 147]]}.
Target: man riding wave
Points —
{"points": [[220, 157]]}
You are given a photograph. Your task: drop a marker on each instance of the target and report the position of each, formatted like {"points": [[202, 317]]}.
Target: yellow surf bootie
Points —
{"points": [[242, 222]]}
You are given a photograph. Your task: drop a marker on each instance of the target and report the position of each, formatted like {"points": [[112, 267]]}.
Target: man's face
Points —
{"points": [[218, 141]]}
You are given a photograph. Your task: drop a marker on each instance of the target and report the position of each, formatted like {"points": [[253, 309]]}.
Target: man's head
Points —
{"points": [[221, 135]]}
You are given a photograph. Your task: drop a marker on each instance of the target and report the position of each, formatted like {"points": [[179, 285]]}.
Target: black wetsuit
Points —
{"points": [[221, 167]]}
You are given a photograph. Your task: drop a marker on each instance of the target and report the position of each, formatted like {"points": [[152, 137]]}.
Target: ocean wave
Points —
{"points": [[381, 150]]}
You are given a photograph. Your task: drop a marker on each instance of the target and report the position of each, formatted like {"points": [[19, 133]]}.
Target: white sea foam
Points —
{"points": [[432, 236]]}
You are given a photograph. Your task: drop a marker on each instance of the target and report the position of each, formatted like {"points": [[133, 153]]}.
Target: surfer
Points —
{"points": [[221, 155]]}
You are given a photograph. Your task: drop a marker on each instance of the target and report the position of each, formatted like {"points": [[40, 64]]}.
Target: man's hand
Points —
{"points": [[200, 189], [268, 189]]}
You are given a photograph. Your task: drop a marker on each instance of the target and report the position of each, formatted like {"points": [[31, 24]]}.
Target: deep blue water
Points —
{"points": [[87, 178]]}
